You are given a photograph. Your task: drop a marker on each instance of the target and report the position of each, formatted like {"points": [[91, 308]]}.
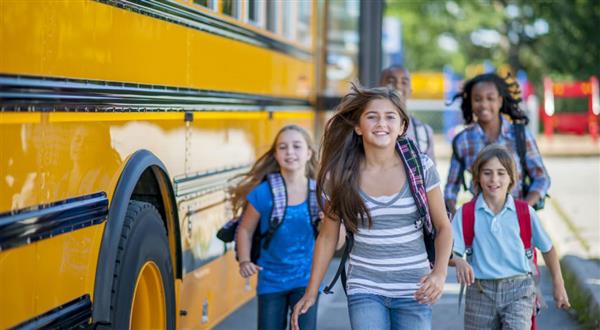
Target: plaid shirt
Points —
{"points": [[470, 142]]}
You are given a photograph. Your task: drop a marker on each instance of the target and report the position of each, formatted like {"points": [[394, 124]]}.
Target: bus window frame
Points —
{"points": [[261, 13], [276, 13], [238, 7]]}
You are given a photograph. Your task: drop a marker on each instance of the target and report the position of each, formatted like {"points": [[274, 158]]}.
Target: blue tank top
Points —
{"points": [[287, 262]]}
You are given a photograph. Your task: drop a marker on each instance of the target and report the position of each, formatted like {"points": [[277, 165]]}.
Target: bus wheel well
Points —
{"points": [[147, 190]]}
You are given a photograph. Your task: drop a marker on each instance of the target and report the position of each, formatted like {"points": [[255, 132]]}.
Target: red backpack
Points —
{"points": [[468, 225]]}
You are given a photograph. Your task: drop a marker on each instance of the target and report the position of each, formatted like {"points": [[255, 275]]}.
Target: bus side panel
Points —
{"points": [[213, 292], [18, 279], [51, 157], [65, 267], [86, 40]]}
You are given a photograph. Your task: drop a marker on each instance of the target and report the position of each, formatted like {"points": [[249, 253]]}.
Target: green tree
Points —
{"points": [[571, 49], [556, 37]]}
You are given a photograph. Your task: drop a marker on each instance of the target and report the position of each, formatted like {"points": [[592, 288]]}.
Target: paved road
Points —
{"points": [[333, 312]]}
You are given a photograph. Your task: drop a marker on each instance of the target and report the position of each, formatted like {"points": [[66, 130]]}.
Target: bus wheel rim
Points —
{"points": [[148, 307]]}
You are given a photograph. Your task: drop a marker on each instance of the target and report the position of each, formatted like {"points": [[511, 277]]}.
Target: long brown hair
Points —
{"points": [[267, 164], [342, 153], [504, 157]]}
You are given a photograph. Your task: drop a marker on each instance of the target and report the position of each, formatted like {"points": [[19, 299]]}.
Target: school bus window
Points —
{"points": [[230, 7], [205, 3], [303, 27], [273, 14], [255, 12], [288, 12]]}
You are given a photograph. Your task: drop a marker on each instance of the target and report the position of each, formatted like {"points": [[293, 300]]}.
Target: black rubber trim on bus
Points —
{"points": [[74, 314], [179, 14], [136, 165], [39, 93], [32, 224]]}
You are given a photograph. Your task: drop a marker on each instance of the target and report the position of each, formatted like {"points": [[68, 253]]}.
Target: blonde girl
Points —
{"points": [[284, 267]]}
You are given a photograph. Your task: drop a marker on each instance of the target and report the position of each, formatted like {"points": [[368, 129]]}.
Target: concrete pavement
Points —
{"points": [[333, 309]]}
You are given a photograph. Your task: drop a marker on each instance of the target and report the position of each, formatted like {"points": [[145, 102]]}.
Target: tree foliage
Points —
{"points": [[545, 37]]}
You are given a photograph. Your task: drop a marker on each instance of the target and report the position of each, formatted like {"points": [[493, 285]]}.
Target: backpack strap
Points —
{"points": [[415, 174], [415, 131], [468, 225], [341, 271], [313, 205], [461, 161], [521, 144], [279, 192], [524, 226], [526, 234]]}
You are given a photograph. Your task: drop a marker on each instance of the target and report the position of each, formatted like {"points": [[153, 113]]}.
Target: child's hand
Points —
{"points": [[302, 307], [247, 269], [431, 288], [560, 297], [464, 272]]}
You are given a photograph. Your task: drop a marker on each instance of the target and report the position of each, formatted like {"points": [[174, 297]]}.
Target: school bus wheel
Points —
{"points": [[143, 295]]}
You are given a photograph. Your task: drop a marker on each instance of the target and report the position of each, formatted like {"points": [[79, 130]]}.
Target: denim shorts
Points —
{"points": [[371, 311]]}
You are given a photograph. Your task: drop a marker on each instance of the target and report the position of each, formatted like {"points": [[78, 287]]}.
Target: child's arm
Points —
{"points": [[464, 271], [433, 283], [245, 230], [324, 249], [452, 185], [536, 169], [543, 243], [560, 294]]}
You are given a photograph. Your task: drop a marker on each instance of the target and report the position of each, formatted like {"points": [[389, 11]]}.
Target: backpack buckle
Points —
{"points": [[418, 223], [529, 253], [469, 251]]}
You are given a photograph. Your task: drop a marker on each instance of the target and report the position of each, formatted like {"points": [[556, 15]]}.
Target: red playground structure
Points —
{"points": [[571, 122]]}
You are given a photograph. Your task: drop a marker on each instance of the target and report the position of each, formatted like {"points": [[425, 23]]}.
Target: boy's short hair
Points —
{"points": [[505, 158]]}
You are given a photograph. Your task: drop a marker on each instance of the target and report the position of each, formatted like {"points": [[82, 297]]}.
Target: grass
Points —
{"points": [[580, 301]]}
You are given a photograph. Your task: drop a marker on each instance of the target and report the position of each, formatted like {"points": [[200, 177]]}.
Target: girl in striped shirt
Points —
{"points": [[390, 282]]}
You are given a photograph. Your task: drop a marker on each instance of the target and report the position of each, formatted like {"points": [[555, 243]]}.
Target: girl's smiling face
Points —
{"points": [[486, 102], [494, 179], [291, 151], [380, 124]]}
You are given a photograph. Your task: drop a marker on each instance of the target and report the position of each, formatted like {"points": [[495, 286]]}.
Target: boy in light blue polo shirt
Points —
{"points": [[504, 292], [498, 249]]}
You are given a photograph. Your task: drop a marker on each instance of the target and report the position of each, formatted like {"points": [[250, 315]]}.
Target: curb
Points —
{"points": [[581, 274], [582, 281]]}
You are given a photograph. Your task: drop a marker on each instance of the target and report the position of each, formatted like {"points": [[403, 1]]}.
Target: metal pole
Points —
{"points": [[370, 53]]}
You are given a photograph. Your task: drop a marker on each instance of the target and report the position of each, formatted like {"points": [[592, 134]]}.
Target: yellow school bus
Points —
{"points": [[121, 124]]}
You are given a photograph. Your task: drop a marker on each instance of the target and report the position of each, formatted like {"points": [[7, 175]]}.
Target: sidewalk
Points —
{"points": [[333, 309], [579, 262]]}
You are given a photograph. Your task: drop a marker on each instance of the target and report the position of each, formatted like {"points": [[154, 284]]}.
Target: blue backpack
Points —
{"points": [[227, 233]]}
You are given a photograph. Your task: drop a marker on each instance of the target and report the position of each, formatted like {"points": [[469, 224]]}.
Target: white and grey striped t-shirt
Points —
{"points": [[390, 258]]}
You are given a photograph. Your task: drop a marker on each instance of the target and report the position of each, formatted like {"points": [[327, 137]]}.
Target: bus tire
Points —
{"points": [[143, 242]]}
